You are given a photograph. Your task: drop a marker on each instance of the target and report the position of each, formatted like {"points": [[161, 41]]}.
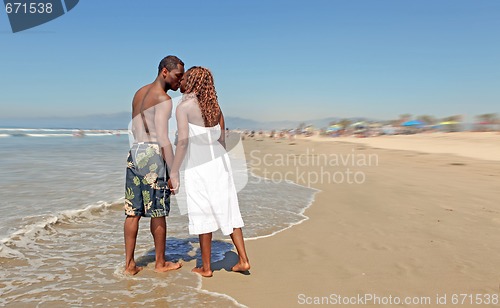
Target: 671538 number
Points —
{"points": [[28, 8]]}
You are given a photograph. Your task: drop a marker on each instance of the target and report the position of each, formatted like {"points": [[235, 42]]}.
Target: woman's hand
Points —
{"points": [[173, 183]]}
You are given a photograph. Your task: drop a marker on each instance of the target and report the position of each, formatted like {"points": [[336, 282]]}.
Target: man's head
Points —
{"points": [[183, 83], [171, 70]]}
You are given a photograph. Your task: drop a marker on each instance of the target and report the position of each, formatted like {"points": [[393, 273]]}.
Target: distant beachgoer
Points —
{"points": [[210, 189], [79, 133], [146, 188], [291, 134]]}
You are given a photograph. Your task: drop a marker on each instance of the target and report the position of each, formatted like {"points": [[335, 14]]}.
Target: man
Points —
{"points": [[150, 158]]}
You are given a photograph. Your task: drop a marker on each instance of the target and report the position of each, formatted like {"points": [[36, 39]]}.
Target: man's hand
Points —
{"points": [[173, 183]]}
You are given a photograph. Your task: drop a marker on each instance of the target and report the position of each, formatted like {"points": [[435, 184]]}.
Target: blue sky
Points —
{"points": [[272, 60]]}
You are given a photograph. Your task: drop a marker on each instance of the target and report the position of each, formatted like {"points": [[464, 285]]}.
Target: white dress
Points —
{"points": [[212, 202]]}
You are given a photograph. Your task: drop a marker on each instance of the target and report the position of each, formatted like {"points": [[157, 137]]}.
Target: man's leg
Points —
{"points": [[243, 264], [206, 252], [159, 231], [130, 229]]}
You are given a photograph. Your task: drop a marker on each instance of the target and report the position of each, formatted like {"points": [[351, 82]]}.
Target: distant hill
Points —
{"points": [[122, 119], [239, 123], [99, 121]]}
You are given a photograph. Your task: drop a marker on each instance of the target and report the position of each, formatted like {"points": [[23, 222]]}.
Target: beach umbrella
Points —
{"points": [[449, 123], [412, 123], [358, 124], [334, 128]]}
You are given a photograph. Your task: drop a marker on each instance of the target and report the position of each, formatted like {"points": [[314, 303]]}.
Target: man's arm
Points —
{"points": [[182, 138], [163, 110], [135, 101]]}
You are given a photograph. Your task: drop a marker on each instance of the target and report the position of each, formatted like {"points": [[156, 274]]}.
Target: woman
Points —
{"points": [[210, 191]]}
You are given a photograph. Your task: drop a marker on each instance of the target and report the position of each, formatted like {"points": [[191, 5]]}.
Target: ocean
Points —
{"points": [[61, 232]]}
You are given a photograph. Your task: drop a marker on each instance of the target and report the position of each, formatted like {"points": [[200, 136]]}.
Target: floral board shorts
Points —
{"points": [[146, 190]]}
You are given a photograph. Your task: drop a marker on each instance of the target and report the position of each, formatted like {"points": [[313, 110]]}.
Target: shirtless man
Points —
{"points": [[147, 192]]}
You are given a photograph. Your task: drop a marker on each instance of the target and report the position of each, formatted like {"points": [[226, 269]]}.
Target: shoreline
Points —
{"points": [[291, 225], [302, 258]]}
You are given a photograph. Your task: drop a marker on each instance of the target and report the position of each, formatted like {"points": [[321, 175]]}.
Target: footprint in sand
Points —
{"points": [[377, 246], [410, 267]]}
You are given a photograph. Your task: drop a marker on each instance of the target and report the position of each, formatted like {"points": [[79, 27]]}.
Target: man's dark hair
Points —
{"points": [[170, 63]]}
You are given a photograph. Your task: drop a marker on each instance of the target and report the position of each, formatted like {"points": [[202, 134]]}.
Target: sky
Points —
{"points": [[271, 60]]}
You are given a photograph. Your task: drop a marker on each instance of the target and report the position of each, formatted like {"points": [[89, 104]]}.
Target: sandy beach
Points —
{"points": [[484, 145], [413, 218]]}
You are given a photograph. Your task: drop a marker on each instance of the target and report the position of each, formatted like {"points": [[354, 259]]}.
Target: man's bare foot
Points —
{"points": [[168, 266], [241, 267], [132, 270], [202, 271]]}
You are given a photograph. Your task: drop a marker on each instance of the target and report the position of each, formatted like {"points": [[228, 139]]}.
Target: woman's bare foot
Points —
{"points": [[168, 266], [202, 271], [241, 267], [132, 270]]}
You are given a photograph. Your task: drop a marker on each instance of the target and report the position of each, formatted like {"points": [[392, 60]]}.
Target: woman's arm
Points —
{"points": [[222, 139]]}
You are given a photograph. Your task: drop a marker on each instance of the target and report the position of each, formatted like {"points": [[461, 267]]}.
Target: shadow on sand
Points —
{"points": [[230, 259], [189, 249]]}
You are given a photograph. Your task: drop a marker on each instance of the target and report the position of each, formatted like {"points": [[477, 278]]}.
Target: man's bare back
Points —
{"points": [[151, 109]]}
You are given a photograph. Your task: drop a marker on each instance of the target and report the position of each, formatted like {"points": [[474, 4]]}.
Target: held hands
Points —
{"points": [[173, 183]]}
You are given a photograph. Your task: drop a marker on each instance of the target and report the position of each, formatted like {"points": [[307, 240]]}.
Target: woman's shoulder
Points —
{"points": [[188, 98], [186, 102]]}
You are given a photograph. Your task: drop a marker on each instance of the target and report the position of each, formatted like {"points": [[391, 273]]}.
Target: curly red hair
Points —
{"points": [[201, 82]]}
